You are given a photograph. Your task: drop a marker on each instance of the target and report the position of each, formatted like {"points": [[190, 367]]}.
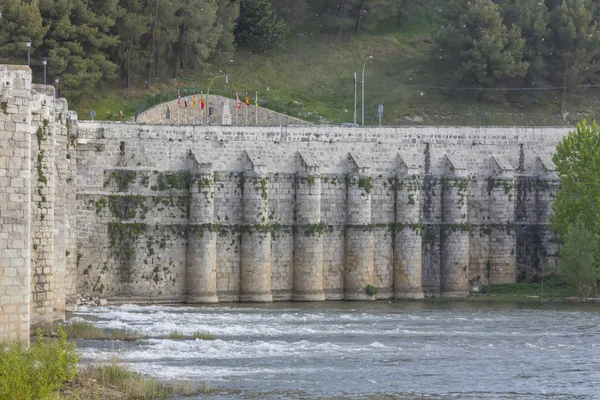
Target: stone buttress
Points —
{"points": [[255, 261], [359, 237], [503, 238], [201, 276], [408, 232], [455, 229], [308, 235]]}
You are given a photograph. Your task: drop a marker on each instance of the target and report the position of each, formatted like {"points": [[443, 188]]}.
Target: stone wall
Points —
{"points": [[201, 214], [245, 116], [204, 214], [37, 192]]}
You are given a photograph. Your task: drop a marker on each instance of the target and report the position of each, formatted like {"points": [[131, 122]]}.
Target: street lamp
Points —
{"points": [[28, 44], [56, 80], [44, 63], [363, 89]]}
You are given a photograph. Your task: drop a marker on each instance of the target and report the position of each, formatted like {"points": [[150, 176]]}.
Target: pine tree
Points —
{"points": [[258, 25], [77, 43], [199, 31], [20, 21], [293, 12], [228, 12], [476, 46], [575, 41], [531, 16], [131, 50]]}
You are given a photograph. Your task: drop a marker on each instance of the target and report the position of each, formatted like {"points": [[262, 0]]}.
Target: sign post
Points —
{"points": [[93, 115], [380, 112]]}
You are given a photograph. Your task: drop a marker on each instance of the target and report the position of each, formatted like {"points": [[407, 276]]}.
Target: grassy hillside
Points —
{"points": [[311, 78]]}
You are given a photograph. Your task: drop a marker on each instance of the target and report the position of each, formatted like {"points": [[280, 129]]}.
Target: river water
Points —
{"points": [[365, 350]]}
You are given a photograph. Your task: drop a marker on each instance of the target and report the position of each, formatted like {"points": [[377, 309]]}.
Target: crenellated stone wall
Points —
{"points": [[204, 214]]}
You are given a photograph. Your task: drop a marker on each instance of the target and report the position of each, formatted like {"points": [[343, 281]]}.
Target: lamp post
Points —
{"points": [[363, 89], [44, 63], [56, 80], [28, 45]]}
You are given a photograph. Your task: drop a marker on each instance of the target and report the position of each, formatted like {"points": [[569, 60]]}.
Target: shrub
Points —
{"points": [[371, 290], [37, 372]]}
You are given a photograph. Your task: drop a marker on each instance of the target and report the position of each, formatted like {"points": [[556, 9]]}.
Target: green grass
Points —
{"points": [[87, 330], [311, 78], [177, 335], [553, 287]]}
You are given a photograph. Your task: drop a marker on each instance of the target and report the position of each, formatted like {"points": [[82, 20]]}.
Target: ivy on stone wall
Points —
{"points": [[122, 239], [122, 178]]}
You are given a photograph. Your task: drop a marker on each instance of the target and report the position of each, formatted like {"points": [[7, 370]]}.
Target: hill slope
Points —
{"points": [[312, 78]]}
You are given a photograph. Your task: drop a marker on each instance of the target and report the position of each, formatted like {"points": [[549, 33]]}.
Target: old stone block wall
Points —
{"points": [[310, 213], [200, 214], [37, 192]]}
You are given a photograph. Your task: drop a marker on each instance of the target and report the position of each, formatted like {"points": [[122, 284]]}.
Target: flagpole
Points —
{"points": [[256, 106], [246, 115], [355, 97]]}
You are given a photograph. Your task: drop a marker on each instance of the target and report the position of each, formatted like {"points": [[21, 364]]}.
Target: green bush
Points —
{"points": [[371, 290], [37, 372]]}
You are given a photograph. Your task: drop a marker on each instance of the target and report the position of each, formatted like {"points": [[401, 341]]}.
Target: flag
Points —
{"points": [[178, 97], [194, 101], [185, 101], [202, 103], [256, 101], [239, 103], [247, 100]]}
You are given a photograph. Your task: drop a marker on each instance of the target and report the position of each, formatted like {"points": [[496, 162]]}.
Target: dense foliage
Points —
{"points": [[479, 43], [37, 372], [576, 216], [536, 43]]}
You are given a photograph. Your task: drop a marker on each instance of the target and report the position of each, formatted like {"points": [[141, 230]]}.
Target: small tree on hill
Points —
{"points": [[576, 217], [259, 26], [477, 47]]}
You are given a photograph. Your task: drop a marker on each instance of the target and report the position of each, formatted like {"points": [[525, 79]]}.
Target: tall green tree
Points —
{"points": [[199, 31], [131, 27], [259, 26], [77, 43], [531, 17], [477, 47], [293, 12], [577, 160], [20, 21], [575, 41], [576, 209], [228, 12]]}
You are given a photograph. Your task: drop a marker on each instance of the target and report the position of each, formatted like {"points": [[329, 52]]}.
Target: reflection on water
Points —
{"points": [[366, 350]]}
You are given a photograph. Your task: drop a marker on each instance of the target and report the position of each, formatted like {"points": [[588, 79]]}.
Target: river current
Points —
{"points": [[364, 350]]}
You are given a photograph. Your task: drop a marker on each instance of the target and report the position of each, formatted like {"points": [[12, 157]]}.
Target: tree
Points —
{"points": [[199, 31], [293, 12], [131, 27], [531, 17], [476, 46], [258, 25], [20, 21], [228, 12], [579, 264], [77, 43], [575, 41], [577, 162]]}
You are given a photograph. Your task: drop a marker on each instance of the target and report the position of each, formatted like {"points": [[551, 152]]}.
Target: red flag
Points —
{"points": [[239, 103], [202, 104], [247, 100]]}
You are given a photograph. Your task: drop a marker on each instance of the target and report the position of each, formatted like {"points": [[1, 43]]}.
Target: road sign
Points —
{"points": [[228, 78], [93, 115], [380, 110], [211, 110]]}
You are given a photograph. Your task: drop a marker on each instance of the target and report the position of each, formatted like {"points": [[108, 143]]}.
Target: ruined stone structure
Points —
{"points": [[204, 214]]}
